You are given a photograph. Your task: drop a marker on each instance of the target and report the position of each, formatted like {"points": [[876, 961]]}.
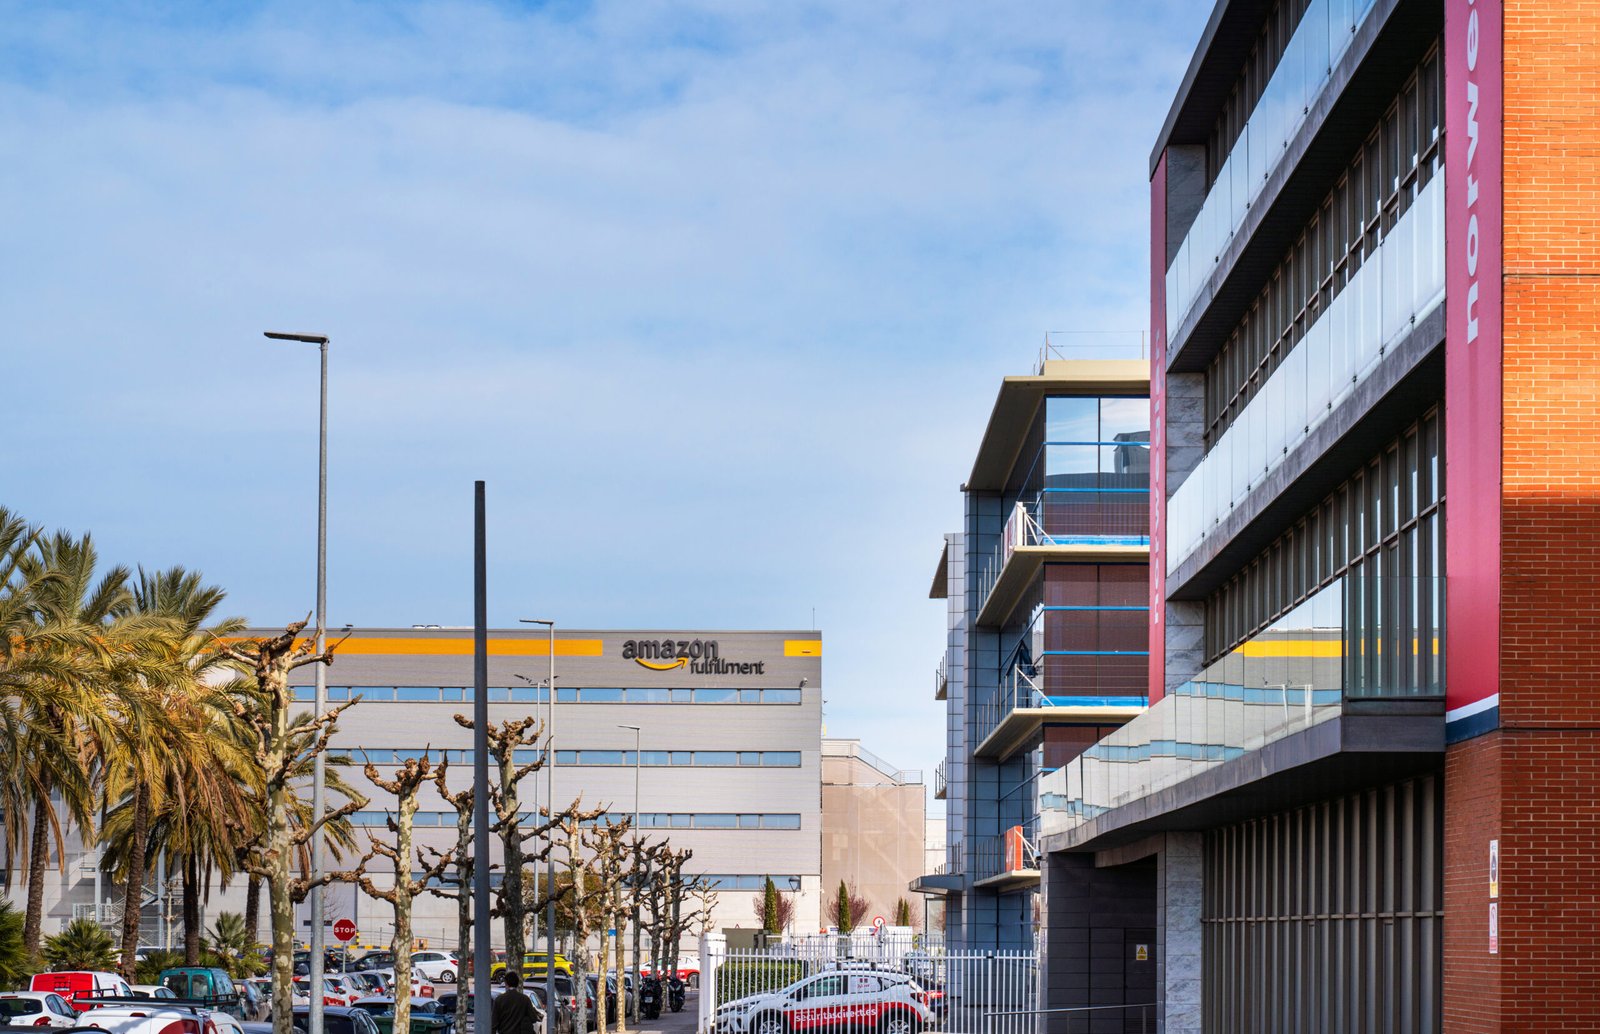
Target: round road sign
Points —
{"points": [[345, 930], [878, 922]]}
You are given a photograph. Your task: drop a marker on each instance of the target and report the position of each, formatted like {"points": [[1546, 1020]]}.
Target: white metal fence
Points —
{"points": [[992, 992]]}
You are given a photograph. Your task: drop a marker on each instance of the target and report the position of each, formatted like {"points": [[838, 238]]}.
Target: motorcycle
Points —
{"points": [[675, 993], [650, 998]]}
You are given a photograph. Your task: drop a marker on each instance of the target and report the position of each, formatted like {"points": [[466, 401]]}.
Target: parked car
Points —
{"points": [[884, 1001], [420, 987], [151, 991], [334, 1021], [440, 967], [381, 959], [36, 1009], [426, 1017], [75, 985], [333, 993], [534, 963], [205, 984], [160, 1018]]}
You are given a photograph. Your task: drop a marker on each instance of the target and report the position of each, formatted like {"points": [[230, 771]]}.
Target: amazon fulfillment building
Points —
{"points": [[729, 753], [1363, 797]]}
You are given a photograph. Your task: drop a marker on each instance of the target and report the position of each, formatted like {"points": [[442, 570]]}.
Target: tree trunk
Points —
{"points": [[619, 918], [191, 911], [464, 919], [512, 906], [133, 892], [252, 910], [580, 933], [38, 858], [280, 909]]}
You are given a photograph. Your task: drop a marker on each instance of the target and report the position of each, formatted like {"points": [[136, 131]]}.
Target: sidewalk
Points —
{"points": [[672, 1022]]}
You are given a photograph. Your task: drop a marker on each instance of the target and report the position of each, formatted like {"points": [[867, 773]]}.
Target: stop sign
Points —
{"points": [[345, 930]]}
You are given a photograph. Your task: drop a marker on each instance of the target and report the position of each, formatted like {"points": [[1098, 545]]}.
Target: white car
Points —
{"points": [[151, 991], [438, 966], [36, 1009], [839, 1000], [420, 986], [159, 1018]]}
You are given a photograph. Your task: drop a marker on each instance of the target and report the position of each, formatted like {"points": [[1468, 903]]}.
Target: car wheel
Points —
{"points": [[768, 1023], [447, 977], [900, 1022]]}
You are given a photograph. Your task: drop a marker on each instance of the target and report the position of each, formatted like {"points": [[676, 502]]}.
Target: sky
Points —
{"points": [[716, 296]]}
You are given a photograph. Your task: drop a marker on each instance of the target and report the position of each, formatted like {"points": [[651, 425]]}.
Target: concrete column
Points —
{"points": [[1185, 620], [1180, 888]]}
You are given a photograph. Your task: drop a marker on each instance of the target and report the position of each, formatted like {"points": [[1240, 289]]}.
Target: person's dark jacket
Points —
{"points": [[513, 1013]]}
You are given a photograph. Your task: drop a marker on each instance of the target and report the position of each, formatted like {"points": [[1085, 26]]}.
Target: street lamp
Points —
{"points": [[550, 795], [318, 773], [794, 903], [552, 690], [636, 760]]}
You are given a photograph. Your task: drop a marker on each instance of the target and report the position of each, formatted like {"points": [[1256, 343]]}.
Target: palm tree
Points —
{"points": [[190, 801], [229, 941], [82, 945], [78, 613], [14, 960]]}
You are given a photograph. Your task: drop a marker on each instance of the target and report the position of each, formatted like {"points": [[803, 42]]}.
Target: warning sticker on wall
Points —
{"points": [[1141, 953]]}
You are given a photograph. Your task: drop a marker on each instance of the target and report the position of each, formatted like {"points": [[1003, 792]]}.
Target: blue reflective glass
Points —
{"points": [[749, 757], [749, 821], [417, 694], [566, 695], [714, 820], [602, 757], [781, 696], [781, 759], [649, 695], [682, 757], [1071, 420], [656, 757], [716, 696], [781, 821], [566, 757], [749, 696], [716, 757], [600, 695]]}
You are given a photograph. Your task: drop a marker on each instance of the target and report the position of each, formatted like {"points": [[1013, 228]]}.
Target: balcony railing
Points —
{"points": [[1014, 851], [1320, 40], [1359, 638], [1394, 288], [955, 859], [939, 787], [941, 681], [1100, 517]]}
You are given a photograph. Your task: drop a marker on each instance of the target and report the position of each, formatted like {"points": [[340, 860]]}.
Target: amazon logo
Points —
{"points": [[699, 656]]}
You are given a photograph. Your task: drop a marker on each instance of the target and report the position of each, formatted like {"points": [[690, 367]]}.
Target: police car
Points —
{"points": [[840, 1000]]}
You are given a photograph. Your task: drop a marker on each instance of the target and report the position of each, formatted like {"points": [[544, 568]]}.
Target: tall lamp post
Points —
{"points": [[550, 795], [794, 902], [636, 762], [318, 773], [552, 689]]}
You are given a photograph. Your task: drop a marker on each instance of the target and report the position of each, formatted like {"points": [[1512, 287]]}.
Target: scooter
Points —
{"points": [[650, 998], [675, 992]]}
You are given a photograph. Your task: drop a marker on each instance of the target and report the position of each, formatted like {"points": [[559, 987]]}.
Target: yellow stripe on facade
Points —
{"points": [[802, 647], [1292, 648], [454, 647]]}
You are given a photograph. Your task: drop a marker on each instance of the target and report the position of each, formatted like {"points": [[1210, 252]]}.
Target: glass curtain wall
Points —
{"points": [[1084, 475]]}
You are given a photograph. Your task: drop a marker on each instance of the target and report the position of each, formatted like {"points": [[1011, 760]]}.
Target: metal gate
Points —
{"points": [[993, 992]]}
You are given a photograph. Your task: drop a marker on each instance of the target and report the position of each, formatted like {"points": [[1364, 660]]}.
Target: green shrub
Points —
{"points": [[83, 944]]}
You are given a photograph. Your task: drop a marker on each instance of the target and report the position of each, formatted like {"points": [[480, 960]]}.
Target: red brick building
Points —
{"points": [[1363, 798]]}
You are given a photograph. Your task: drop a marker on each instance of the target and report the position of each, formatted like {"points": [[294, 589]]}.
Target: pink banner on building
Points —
{"points": [[1473, 88], [1158, 431]]}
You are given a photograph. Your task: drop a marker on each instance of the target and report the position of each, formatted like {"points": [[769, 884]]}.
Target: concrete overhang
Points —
{"points": [[1025, 561], [1019, 400], [1015, 879], [1382, 742], [941, 884], [940, 589], [1018, 728]]}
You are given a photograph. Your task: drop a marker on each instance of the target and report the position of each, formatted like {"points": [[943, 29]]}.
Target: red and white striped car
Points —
{"points": [[841, 1000]]}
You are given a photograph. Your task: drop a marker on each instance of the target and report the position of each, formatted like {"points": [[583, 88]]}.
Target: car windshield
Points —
{"points": [[20, 1006]]}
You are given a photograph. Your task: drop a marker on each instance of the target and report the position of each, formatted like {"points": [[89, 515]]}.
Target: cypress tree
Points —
{"points": [[902, 912], [769, 909], [847, 922]]}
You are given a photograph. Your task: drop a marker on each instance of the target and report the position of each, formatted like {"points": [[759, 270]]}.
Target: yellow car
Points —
{"points": [[533, 964]]}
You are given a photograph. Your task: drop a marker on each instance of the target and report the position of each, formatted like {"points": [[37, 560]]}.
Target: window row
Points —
{"points": [[625, 758], [1271, 42], [1385, 176], [647, 820], [1384, 523], [564, 695]]}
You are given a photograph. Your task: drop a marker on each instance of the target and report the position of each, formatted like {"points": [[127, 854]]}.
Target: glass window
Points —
{"points": [[749, 696], [566, 694], [1124, 420], [602, 757], [716, 696], [650, 695], [749, 821], [781, 696], [681, 820], [683, 757], [1071, 420], [600, 695], [682, 696], [706, 820], [566, 757], [749, 757], [780, 821], [417, 694], [781, 759], [656, 757], [717, 758]]}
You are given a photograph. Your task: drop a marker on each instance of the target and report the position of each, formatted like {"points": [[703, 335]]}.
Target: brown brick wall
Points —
{"points": [[1472, 807], [1534, 782]]}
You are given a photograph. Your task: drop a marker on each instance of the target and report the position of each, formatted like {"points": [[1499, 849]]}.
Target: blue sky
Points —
{"points": [[715, 296]]}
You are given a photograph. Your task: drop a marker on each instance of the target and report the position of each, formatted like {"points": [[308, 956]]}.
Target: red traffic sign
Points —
{"points": [[878, 922], [345, 930]]}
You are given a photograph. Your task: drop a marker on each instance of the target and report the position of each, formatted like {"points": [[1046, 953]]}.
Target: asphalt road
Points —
{"points": [[672, 1022]]}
